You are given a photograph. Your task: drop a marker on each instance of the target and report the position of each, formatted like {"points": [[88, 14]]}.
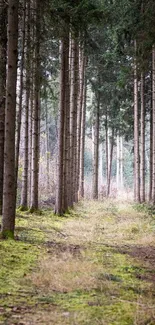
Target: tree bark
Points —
{"points": [[136, 136], [73, 128], [153, 118], [83, 128], [118, 163], [67, 127], [151, 156], [19, 114], [106, 147], [36, 108], [60, 163], [142, 165], [3, 49], [9, 204], [24, 195], [110, 163], [80, 106], [96, 150]]}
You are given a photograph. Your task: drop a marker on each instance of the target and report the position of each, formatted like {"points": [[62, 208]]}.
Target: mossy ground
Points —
{"points": [[96, 265]]}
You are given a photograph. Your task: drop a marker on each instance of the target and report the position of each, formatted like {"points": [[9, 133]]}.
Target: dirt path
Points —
{"points": [[96, 266]]}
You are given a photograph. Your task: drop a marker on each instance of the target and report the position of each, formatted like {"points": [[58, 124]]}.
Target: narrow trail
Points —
{"points": [[94, 266]]}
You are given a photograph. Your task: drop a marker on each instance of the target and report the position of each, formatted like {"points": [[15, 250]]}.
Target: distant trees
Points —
{"points": [[111, 61]]}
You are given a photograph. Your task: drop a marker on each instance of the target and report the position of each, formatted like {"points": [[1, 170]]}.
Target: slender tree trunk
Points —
{"points": [[24, 195], [75, 117], [9, 204], [110, 162], [82, 64], [35, 134], [121, 163], [47, 148], [96, 150], [151, 159], [101, 164], [118, 163], [153, 118], [73, 129], [83, 128], [67, 128], [136, 137], [19, 115], [107, 147], [3, 49], [142, 165], [60, 181]]}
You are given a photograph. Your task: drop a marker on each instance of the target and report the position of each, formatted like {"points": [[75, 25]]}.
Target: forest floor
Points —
{"points": [[93, 266]]}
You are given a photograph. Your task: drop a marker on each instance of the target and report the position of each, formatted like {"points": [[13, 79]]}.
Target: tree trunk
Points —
{"points": [[73, 129], [60, 181], [118, 163], [24, 195], [121, 163], [83, 128], [3, 46], [142, 165], [35, 132], [106, 147], [47, 148], [9, 204], [19, 115], [110, 162], [96, 150], [151, 156], [80, 106], [153, 117], [67, 128], [136, 136]]}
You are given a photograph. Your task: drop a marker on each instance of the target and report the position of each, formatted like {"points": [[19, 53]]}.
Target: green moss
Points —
{"points": [[7, 234], [17, 258], [22, 208]]}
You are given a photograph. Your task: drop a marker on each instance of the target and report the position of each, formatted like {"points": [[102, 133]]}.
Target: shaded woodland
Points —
{"points": [[77, 105]]}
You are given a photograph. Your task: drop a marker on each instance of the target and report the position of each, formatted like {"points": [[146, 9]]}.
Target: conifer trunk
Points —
{"points": [[36, 108], [118, 163], [73, 129], [79, 124], [96, 150], [151, 159], [9, 204], [67, 127], [136, 135], [19, 115], [83, 128], [153, 120], [47, 147], [110, 162], [60, 163], [24, 195], [142, 165], [3, 46], [106, 147]]}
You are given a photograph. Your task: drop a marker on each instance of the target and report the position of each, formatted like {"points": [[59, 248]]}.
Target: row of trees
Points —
{"points": [[107, 48]]}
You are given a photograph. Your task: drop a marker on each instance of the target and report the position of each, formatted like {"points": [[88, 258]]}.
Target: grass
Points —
{"points": [[93, 266]]}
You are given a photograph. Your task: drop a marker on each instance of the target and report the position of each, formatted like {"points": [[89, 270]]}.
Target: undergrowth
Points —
{"points": [[93, 266]]}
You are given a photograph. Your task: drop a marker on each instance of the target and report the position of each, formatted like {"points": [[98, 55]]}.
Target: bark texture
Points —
{"points": [[96, 151], [9, 204], [136, 136], [142, 162], [3, 46], [36, 108]]}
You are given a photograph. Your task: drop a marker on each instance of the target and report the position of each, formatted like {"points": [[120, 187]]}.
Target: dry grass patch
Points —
{"points": [[66, 273]]}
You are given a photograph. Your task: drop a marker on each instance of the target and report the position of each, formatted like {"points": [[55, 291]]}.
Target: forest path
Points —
{"points": [[94, 266]]}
